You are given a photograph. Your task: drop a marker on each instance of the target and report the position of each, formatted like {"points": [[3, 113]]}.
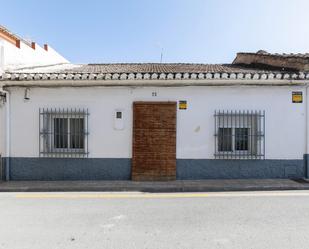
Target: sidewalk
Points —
{"points": [[171, 186]]}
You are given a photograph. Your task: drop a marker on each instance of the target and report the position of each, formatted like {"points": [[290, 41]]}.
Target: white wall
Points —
{"points": [[1, 57], [25, 56], [285, 121], [2, 130]]}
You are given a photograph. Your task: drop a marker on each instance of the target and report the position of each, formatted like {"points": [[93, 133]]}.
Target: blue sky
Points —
{"points": [[201, 31]]}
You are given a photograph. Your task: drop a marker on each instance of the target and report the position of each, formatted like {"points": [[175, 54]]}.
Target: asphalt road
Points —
{"points": [[134, 220]]}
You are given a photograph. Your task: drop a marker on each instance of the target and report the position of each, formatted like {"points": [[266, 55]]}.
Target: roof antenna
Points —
{"points": [[161, 58]]}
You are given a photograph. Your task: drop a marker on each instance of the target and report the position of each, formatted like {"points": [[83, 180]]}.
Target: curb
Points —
{"points": [[171, 189]]}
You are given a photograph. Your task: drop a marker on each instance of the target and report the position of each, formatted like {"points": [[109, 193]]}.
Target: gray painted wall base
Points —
{"points": [[189, 169], [45, 169], [2, 169], [306, 162], [120, 169]]}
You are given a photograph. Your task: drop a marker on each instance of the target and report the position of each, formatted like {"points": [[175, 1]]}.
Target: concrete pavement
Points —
{"points": [[255, 220], [171, 186]]}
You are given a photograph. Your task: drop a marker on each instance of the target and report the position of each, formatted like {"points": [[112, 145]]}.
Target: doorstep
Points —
{"points": [[153, 187]]}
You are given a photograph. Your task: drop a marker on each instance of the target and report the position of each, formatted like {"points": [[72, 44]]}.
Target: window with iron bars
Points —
{"points": [[63, 132], [240, 134]]}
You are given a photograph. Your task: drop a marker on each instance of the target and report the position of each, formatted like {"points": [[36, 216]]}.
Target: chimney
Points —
{"points": [[46, 47], [18, 43], [33, 45]]}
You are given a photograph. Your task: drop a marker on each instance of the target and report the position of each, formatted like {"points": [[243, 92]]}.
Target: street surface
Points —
{"points": [[245, 220]]}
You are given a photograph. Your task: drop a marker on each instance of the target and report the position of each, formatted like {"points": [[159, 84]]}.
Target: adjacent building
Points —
{"points": [[16, 52]]}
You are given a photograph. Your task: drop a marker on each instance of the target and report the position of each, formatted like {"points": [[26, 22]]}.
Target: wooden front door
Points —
{"points": [[154, 141]]}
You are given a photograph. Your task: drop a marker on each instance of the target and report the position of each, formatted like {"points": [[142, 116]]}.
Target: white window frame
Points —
{"points": [[254, 121], [69, 136], [47, 137], [233, 135]]}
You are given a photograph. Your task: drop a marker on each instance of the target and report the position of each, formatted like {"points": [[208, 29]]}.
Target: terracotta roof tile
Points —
{"points": [[161, 68]]}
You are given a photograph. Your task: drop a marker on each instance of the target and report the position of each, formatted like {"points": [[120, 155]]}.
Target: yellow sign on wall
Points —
{"points": [[182, 105], [297, 97]]}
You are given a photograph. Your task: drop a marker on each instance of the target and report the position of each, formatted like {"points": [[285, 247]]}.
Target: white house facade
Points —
{"points": [[115, 122], [151, 121]]}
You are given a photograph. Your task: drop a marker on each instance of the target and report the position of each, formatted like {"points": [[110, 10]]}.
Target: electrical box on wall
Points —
{"points": [[118, 119]]}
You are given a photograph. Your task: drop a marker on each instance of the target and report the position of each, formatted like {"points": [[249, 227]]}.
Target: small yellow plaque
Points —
{"points": [[182, 104], [297, 97]]}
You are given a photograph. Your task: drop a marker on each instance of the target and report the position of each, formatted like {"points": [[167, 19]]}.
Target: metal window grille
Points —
{"points": [[63, 132], [239, 134]]}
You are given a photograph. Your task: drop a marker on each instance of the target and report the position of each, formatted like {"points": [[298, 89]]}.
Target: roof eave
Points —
{"points": [[151, 83]]}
